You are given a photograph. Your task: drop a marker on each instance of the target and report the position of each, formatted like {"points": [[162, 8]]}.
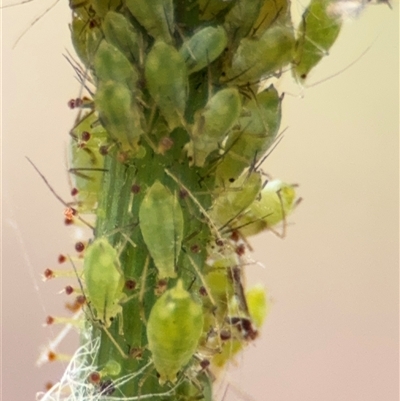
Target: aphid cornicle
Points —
{"points": [[104, 281], [161, 224], [173, 331]]}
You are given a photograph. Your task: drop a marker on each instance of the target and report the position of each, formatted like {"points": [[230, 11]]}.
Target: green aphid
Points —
{"points": [[86, 161], [161, 224], [119, 32], [85, 39], [111, 65], [173, 331], [277, 201], [317, 33], [236, 198], [257, 58], [120, 115], [156, 16], [204, 47], [104, 281], [170, 95], [241, 17], [213, 123], [254, 133]]}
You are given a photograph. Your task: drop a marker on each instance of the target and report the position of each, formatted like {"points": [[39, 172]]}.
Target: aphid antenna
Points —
{"points": [[239, 75], [20, 3], [341, 71], [284, 221], [55, 193], [237, 228], [277, 141], [37, 19], [82, 81], [82, 75], [226, 225]]}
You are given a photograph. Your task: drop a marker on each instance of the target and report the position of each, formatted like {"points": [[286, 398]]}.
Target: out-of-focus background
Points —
{"points": [[332, 333]]}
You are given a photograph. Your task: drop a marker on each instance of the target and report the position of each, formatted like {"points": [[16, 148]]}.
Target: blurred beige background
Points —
{"points": [[332, 333]]}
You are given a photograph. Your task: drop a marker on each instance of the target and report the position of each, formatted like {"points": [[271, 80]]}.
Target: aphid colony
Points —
{"points": [[165, 154]]}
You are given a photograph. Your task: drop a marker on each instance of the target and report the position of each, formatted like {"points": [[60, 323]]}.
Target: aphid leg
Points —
{"points": [[112, 339], [143, 290]]}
